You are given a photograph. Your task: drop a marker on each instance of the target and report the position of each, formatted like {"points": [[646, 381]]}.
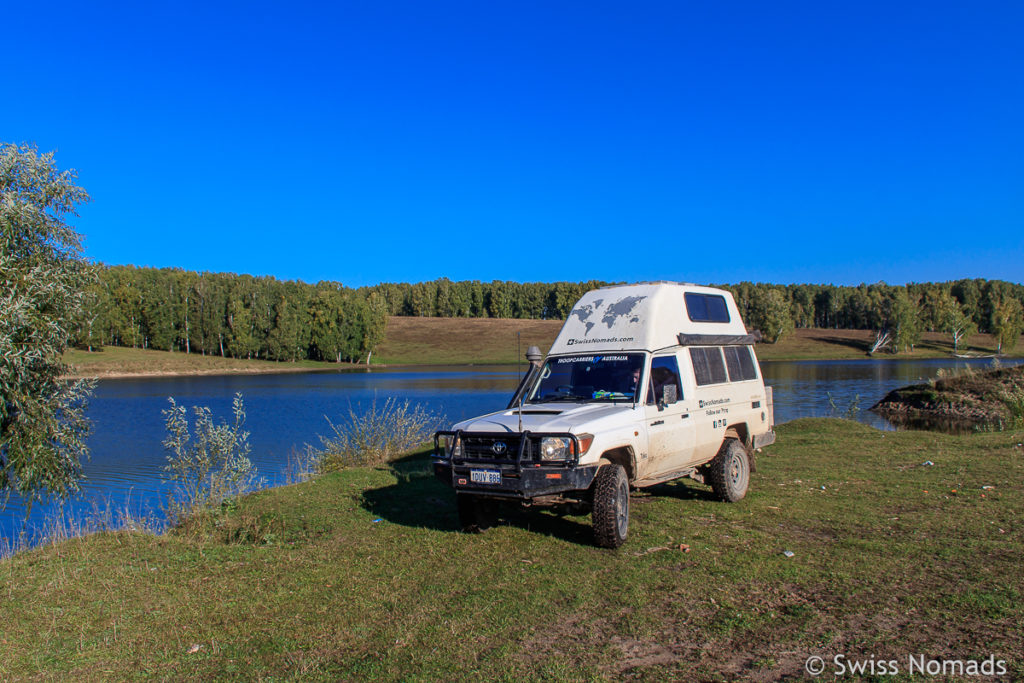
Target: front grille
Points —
{"points": [[489, 448], [480, 447]]}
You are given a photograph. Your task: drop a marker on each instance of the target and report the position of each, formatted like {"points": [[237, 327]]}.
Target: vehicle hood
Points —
{"points": [[552, 417]]}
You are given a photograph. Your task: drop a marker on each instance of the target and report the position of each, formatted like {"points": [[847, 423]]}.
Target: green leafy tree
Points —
{"points": [[906, 321], [326, 325], [949, 317], [375, 323], [960, 327], [1007, 321], [803, 305], [445, 306], [499, 300], [88, 328], [771, 314], [44, 282], [242, 342]]}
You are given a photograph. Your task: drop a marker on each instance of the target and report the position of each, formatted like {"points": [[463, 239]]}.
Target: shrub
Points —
{"points": [[1013, 397], [211, 468], [376, 436], [851, 411]]}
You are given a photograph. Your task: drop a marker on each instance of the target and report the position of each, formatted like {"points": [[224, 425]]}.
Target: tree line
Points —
{"points": [[242, 316], [236, 316], [897, 313]]}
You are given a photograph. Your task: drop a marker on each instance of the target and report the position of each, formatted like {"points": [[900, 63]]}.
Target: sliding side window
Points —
{"points": [[740, 363], [708, 366]]}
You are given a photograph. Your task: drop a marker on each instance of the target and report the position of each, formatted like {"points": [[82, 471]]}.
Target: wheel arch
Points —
{"points": [[740, 432], [621, 455]]}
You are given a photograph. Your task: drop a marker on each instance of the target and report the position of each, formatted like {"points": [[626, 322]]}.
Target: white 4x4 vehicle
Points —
{"points": [[645, 383]]}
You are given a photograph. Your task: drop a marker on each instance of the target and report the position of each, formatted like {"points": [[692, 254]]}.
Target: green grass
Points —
{"points": [[891, 558]]}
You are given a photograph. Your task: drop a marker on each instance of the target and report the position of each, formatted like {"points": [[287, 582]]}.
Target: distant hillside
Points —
{"points": [[440, 341], [434, 341], [480, 341]]}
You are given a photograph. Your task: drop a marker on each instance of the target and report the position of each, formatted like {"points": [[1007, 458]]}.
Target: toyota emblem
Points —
{"points": [[499, 448]]}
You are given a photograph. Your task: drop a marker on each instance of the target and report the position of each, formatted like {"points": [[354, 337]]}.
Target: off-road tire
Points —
{"points": [[475, 514], [611, 506], [729, 472]]}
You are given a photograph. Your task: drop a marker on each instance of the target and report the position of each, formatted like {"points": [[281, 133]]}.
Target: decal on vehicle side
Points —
{"points": [[702, 403]]}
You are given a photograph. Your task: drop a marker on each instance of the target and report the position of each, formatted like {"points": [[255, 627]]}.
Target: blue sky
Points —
{"points": [[392, 141]]}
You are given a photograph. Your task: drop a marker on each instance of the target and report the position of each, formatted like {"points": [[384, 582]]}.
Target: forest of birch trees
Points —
{"points": [[243, 316]]}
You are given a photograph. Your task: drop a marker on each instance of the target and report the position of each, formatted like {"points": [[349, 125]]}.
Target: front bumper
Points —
{"points": [[513, 462], [529, 482]]}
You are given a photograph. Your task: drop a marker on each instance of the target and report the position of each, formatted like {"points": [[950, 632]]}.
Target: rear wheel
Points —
{"points": [[475, 514], [729, 472], [611, 506]]}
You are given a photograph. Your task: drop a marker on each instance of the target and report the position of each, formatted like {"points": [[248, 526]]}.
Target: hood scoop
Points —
{"points": [[535, 412]]}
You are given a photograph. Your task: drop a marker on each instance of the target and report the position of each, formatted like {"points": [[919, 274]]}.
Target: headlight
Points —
{"points": [[446, 443], [554, 448], [560, 448]]}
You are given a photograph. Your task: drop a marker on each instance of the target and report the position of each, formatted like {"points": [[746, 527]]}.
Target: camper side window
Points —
{"points": [[740, 363], [664, 372], [708, 366], [706, 308]]}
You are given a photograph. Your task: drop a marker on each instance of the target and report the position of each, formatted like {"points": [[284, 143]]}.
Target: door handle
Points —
{"points": [[657, 422]]}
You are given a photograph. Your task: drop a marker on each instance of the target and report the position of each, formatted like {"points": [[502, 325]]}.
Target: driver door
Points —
{"points": [[670, 426]]}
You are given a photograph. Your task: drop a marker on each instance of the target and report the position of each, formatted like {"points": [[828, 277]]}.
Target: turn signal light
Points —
{"points": [[585, 441]]}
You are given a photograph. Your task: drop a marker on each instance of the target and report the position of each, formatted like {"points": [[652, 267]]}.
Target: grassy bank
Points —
{"points": [[482, 341], [363, 574], [114, 361], [818, 344]]}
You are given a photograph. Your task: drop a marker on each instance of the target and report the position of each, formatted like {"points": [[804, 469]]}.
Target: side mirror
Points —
{"points": [[670, 394]]}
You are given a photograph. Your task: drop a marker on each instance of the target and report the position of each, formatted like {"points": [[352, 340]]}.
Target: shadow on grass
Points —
{"points": [[680, 489], [550, 524], [417, 499], [857, 344]]}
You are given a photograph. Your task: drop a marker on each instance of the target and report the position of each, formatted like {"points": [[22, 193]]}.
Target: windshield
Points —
{"points": [[588, 378]]}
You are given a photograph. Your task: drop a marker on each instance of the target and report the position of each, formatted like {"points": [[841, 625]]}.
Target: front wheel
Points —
{"points": [[729, 472], [611, 506]]}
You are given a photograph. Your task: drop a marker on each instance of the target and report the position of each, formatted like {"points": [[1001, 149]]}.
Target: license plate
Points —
{"points": [[485, 476]]}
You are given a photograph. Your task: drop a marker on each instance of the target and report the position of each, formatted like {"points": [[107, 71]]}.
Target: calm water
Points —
{"points": [[285, 412]]}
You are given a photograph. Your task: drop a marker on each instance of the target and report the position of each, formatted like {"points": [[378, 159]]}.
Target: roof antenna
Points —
{"points": [[519, 358], [519, 371]]}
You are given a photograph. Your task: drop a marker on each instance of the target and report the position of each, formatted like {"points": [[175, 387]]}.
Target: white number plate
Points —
{"points": [[485, 476]]}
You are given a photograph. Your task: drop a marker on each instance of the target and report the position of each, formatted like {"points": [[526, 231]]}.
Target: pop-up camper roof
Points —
{"points": [[649, 317]]}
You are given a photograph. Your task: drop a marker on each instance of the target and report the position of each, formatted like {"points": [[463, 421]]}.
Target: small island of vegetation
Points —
{"points": [[967, 399]]}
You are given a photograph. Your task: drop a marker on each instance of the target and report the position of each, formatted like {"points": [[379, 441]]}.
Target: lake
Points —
{"points": [[287, 411]]}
